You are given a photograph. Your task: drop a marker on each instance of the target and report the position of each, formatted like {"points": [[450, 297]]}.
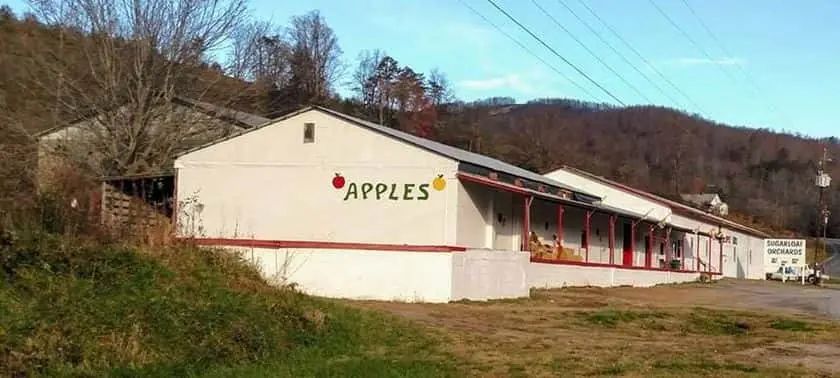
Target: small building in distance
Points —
{"points": [[77, 145], [708, 202]]}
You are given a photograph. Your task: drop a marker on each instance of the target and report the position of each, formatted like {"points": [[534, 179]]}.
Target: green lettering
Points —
{"points": [[352, 190], [407, 193], [380, 190], [424, 189], [392, 196], [366, 188]]}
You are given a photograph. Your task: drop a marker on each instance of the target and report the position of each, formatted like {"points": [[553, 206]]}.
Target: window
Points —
{"points": [[308, 133]]}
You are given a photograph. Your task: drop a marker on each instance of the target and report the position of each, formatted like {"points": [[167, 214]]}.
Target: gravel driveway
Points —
{"points": [[770, 295]]}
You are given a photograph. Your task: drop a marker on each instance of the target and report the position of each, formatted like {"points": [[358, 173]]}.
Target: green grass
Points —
{"points": [[71, 307], [791, 325], [694, 366], [612, 318]]}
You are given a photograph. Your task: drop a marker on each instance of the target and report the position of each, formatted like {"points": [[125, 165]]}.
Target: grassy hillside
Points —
{"points": [[73, 307]]}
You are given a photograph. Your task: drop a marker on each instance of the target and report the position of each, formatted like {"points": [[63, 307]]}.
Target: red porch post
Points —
{"points": [[633, 243], [560, 211], [612, 239], [649, 252], [668, 250], [526, 224], [586, 234]]}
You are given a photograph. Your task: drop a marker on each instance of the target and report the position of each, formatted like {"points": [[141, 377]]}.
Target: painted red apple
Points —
{"points": [[338, 181]]}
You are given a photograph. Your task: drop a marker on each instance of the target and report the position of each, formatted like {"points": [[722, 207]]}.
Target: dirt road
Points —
{"points": [[755, 295]]}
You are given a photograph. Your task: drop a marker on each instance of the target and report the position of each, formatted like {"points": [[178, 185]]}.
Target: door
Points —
{"points": [[627, 256], [730, 261], [648, 250], [503, 222]]}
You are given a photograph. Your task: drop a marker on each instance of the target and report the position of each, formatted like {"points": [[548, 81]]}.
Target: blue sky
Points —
{"points": [[788, 48]]}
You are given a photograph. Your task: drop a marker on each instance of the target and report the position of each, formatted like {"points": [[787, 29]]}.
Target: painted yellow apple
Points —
{"points": [[439, 183]]}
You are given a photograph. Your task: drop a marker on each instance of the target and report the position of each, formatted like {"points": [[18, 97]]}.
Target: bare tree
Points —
{"points": [[120, 65], [259, 53], [439, 88], [364, 81], [315, 57]]}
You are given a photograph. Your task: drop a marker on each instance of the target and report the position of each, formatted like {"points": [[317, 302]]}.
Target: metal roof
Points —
{"points": [[246, 120], [453, 152], [671, 203]]}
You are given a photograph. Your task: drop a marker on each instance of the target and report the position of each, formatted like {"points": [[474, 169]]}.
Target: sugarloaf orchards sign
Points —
{"points": [[389, 191], [787, 252]]}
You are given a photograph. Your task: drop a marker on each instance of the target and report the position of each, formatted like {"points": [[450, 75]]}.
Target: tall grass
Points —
{"points": [[74, 305]]}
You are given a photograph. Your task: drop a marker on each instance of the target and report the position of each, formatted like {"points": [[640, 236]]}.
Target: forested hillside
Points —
{"points": [[51, 74]]}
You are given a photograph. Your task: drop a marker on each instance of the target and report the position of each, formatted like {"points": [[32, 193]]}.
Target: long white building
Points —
{"points": [[347, 208]]}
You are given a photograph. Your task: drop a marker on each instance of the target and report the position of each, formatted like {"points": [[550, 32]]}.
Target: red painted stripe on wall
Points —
{"points": [[602, 265], [276, 244]]}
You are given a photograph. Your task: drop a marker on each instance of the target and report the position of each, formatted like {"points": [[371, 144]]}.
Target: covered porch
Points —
{"points": [[559, 227]]}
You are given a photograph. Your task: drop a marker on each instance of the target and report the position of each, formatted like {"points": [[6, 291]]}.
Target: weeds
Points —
{"points": [[71, 306]]}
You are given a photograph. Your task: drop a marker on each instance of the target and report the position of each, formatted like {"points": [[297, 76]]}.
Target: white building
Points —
{"points": [[710, 242], [347, 208]]}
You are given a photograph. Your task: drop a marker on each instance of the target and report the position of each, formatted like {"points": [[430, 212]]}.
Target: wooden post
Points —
{"points": [[526, 224], [612, 239]]}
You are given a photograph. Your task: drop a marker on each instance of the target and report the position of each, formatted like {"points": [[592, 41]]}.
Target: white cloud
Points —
{"points": [[510, 81], [532, 83], [703, 61]]}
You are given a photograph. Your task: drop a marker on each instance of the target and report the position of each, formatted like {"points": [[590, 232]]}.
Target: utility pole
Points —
{"points": [[823, 182]]}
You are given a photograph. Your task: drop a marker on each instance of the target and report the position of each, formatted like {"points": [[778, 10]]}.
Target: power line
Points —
{"points": [[579, 42], [521, 45], [605, 90], [640, 56], [604, 41], [688, 37], [693, 42], [723, 48]]}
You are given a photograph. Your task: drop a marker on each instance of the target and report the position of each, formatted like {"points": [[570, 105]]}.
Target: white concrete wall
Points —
{"points": [[507, 221], [746, 258], [354, 274], [434, 277], [269, 184], [488, 274], [543, 275], [475, 216]]}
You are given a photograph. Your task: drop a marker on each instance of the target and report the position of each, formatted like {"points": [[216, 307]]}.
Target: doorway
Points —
{"points": [[627, 248]]}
